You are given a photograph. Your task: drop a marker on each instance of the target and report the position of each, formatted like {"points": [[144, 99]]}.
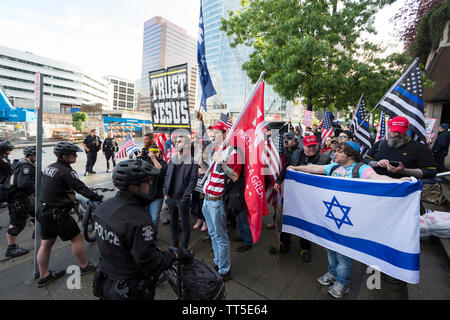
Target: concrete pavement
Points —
{"points": [[256, 274]]}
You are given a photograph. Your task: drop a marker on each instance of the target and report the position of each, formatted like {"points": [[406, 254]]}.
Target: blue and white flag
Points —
{"points": [[373, 221], [205, 79]]}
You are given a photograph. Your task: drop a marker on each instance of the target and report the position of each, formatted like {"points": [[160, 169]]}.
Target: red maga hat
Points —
{"points": [[310, 140], [399, 124], [219, 126]]}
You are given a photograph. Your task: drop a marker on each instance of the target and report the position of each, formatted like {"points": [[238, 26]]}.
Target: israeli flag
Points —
{"points": [[372, 221]]}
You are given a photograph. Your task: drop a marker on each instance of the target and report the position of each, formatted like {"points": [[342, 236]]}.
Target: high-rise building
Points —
{"points": [[232, 85], [165, 45], [66, 86], [121, 93]]}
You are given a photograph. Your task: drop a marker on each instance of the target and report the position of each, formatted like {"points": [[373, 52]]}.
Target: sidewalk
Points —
{"points": [[256, 274]]}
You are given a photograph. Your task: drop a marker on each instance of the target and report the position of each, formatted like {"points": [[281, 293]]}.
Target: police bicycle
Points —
{"points": [[84, 209]]}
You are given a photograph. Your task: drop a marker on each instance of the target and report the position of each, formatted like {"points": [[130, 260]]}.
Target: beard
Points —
{"points": [[397, 142]]}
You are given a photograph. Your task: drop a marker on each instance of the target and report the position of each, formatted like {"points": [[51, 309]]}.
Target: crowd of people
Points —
{"points": [[211, 187]]}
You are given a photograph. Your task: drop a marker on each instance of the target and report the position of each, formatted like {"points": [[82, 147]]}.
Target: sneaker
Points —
{"points": [[327, 279], [306, 255], [16, 252], [270, 226], [52, 275], [226, 276], [88, 269], [283, 248], [244, 248], [338, 290]]}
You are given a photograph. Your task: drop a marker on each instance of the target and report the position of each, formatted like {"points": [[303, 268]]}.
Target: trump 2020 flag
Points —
{"points": [[373, 221], [205, 79]]}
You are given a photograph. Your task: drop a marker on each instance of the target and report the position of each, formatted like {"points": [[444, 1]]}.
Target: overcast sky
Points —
{"points": [[105, 36]]}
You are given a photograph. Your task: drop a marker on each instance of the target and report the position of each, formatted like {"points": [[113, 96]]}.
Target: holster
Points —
{"points": [[98, 283]]}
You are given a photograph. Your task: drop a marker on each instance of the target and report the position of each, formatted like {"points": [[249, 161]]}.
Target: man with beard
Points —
{"points": [[400, 156]]}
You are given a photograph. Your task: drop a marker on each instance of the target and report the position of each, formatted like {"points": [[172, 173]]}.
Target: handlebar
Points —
{"points": [[102, 189]]}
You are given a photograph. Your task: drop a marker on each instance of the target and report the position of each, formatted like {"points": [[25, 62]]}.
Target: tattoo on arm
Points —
{"points": [[417, 173], [229, 172]]}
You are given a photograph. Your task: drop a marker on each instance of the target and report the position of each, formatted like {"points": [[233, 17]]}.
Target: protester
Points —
{"points": [[292, 151], [399, 155], [181, 179], [110, 146], [334, 143], [348, 165], [317, 133], [148, 140], [309, 155], [345, 135], [92, 145], [440, 147], [327, 145], [197, 149]]}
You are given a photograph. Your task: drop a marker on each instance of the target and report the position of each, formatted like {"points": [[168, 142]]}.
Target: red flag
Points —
{"points": [[248, 134], [161, 139]]}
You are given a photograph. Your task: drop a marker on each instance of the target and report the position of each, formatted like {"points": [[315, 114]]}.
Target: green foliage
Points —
{"points": [[79, 120], [430, 31], [312, 50]]}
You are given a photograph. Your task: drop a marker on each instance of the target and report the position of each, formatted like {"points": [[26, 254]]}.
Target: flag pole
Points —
{"points": [[224, 143]]}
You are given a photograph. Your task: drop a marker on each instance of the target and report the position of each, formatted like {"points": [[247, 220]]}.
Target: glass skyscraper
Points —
{"points": [[225, 65], [165, 45]]}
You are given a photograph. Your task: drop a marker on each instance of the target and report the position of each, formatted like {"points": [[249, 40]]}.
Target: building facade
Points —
{"points": [[232, 85], [66, 86], [165, 45], [121, 94]]}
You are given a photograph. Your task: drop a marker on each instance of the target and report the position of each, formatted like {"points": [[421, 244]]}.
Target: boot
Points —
{"points": [[15, 251]]}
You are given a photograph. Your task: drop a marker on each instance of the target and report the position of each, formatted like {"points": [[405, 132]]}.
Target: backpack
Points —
{"points": [[200, 281], [355, 170]]}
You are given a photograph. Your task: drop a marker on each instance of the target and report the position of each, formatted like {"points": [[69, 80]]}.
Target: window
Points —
{"points": [[122, 89], [115, 95], [130, 98], [121, 96], [130, 91], [121, 104], [115, 88], [114, 81], [122, 83], [115, 103], [129, 105]]}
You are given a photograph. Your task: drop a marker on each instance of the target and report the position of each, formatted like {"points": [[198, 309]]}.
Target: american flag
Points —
{"points": [[327, 131], [382, 129], [160, 141], [405, 99], [360, 126], [127, 149], [225, 119]]}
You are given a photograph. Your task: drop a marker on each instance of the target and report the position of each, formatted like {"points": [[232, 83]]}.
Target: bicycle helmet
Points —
{"points": [[132, 172], [29, 151], [65, 148], [5, 146]]}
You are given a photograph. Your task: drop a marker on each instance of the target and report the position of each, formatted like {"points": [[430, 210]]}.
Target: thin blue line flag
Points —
{"points": [[205, 79], [373, 221]]}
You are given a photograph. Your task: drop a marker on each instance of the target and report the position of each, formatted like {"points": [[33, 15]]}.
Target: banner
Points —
{"points": [[169, 93], [307, 120], [429, 127], [373, 221]]}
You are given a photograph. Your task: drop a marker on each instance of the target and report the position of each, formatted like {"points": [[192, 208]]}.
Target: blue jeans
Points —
{"points": [[155, 209], [216, 220], [340, 267], [244, 228]]}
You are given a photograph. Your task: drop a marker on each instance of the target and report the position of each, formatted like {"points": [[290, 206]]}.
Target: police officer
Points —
{"points": [[109, 147], [21, 200], [5, 170], [59, 183], [92, 144], [130, 261]]}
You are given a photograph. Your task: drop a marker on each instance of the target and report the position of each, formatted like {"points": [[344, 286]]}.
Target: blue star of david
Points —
{"points": [[345, 210]]}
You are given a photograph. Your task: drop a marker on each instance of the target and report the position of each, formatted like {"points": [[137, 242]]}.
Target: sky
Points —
{"points": [[104, 37]]}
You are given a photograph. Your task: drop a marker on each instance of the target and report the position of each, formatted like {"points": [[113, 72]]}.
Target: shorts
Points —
{"points": [[17, 217], [64, 226]]}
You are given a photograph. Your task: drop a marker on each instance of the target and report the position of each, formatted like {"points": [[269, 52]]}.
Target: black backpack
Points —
{"points": [[355, 170], [201, 282]]}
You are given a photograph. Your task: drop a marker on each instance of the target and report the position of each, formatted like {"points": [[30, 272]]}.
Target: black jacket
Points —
{"points": [[24, 179], [110, 145], [5, 171], [303, 160], [440, 146], [186, 177], [59, 183], [126, 242]]}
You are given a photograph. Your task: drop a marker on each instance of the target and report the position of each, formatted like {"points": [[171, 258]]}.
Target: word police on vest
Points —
{"points": [[168, 94], [106, 235]]}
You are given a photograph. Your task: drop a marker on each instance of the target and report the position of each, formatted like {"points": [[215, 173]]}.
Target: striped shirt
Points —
{"points": [[215, 183]]}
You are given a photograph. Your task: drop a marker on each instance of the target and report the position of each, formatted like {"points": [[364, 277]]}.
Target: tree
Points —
{"points": [[79, 120], [313, 50]]}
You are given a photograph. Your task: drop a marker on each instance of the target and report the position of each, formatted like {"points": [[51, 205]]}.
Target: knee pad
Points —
{"points": [[16, 230]]}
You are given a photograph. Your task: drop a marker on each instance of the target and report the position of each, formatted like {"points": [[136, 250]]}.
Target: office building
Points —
{"points": [[121, 93]]}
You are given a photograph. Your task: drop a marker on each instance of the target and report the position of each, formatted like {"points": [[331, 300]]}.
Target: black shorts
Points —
{"points": [[63, 226], [17, 216]]}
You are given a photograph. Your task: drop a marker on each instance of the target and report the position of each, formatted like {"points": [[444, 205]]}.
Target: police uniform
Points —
{"points": [[5, 177], [59, 183], [130, 261], [93, 143], [21, 197], [109, 147], [412, 154]]}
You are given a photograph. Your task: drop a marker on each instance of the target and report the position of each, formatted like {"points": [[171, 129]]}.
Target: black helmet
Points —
{"points": [[133, 171], [5, 146], [29, 151], [65, 148]]}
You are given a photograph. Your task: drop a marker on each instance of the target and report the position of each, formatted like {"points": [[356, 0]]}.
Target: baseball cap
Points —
{"points": [[219, 126], [354, 145], [399, 124], [309, 140]]}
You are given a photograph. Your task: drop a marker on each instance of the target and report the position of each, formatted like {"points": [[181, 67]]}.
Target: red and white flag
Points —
{"points": [[273, 164], [127, 149], [248, 133], [161, 139]]}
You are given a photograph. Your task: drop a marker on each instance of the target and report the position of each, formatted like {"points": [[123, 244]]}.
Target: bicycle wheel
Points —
{"points": [[88, 226]]}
